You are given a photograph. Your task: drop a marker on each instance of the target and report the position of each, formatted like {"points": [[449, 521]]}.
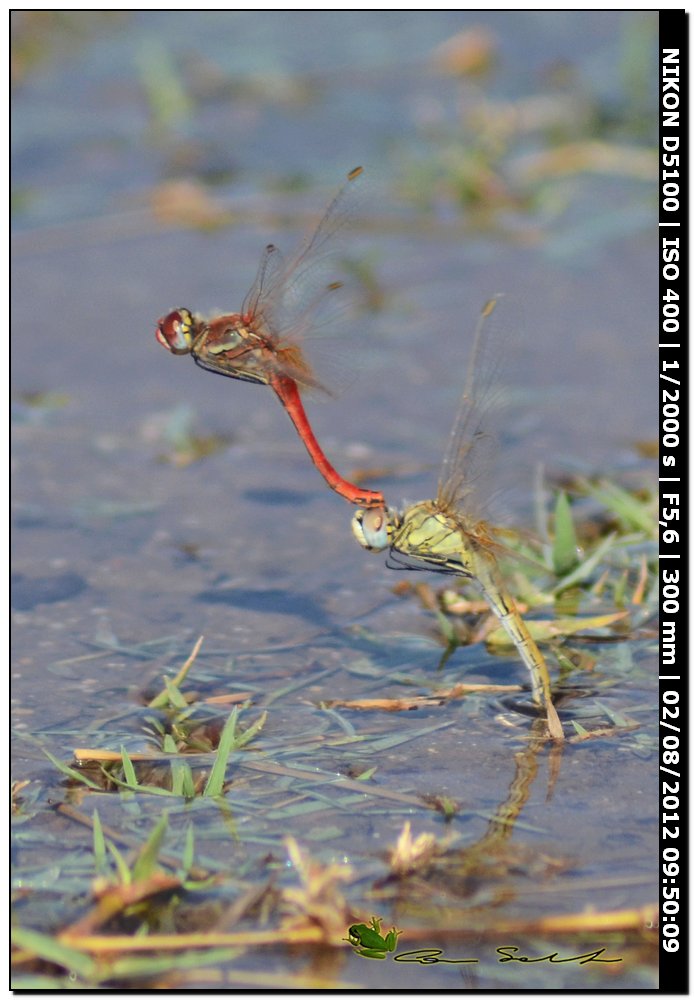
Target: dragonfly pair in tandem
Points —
{"points": [[264, 343]]}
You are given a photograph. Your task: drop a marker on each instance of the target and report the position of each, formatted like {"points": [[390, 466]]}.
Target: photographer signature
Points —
{"points": [[432, 956], [368, 941]]}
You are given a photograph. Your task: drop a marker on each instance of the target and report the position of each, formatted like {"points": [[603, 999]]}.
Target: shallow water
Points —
{"points": [[123, 559]]}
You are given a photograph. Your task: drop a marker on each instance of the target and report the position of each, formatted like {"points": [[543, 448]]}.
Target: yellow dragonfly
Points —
{"points": [[445, 534]]}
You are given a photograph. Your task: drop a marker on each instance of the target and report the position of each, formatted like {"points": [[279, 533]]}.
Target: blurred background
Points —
{"points": [[154, 154]]}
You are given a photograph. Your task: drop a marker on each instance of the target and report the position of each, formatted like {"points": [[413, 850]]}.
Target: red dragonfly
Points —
{"points": [[262, 343]]}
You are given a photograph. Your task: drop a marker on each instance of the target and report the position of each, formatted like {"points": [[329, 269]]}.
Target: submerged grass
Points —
{"points": [[186, 894]]}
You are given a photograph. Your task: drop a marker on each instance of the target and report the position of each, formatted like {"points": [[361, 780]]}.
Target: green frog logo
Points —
{"points": [[367, 940]]}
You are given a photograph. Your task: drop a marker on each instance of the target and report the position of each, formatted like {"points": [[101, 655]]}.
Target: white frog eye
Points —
{"points": [[371, 528]]}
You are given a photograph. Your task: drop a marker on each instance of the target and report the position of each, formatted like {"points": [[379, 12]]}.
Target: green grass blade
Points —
{"points": [[215, 781], [72, 772], [177, 777], [162, 700], [366, 775], [584, 569], [39, 984], [565, 547], [619, 720], [188, 790], [176, 699], [188, 851], [121, 864], [243, 738], [129, 775], [146, 863], [635, 514], [100, 864], [140, 789], [182, 783], [51, 950], [137, 967]]}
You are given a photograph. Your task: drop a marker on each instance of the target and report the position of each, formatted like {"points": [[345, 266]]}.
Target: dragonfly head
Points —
{"points": [[373, 528], [176, 331]]}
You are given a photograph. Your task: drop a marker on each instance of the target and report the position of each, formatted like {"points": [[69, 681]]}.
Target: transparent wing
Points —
{"points": [[267, 284], [466, 459], [286, 297]]}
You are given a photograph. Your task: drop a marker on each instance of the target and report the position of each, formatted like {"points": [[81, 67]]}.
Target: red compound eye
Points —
{"points": [[175, 331]]}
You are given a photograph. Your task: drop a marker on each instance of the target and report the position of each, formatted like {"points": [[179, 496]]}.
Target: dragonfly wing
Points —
{"points": [[289, 296], [289, 363], [324, 241], [466, 456], [267, 286], [290, 301]]}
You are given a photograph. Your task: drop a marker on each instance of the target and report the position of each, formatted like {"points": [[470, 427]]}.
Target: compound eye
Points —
{"points": [[371, 528], [176, 331]]}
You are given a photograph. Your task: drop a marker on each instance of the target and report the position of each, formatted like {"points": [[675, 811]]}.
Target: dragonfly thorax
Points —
{"points": [[228, 346], [436, 538]]}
